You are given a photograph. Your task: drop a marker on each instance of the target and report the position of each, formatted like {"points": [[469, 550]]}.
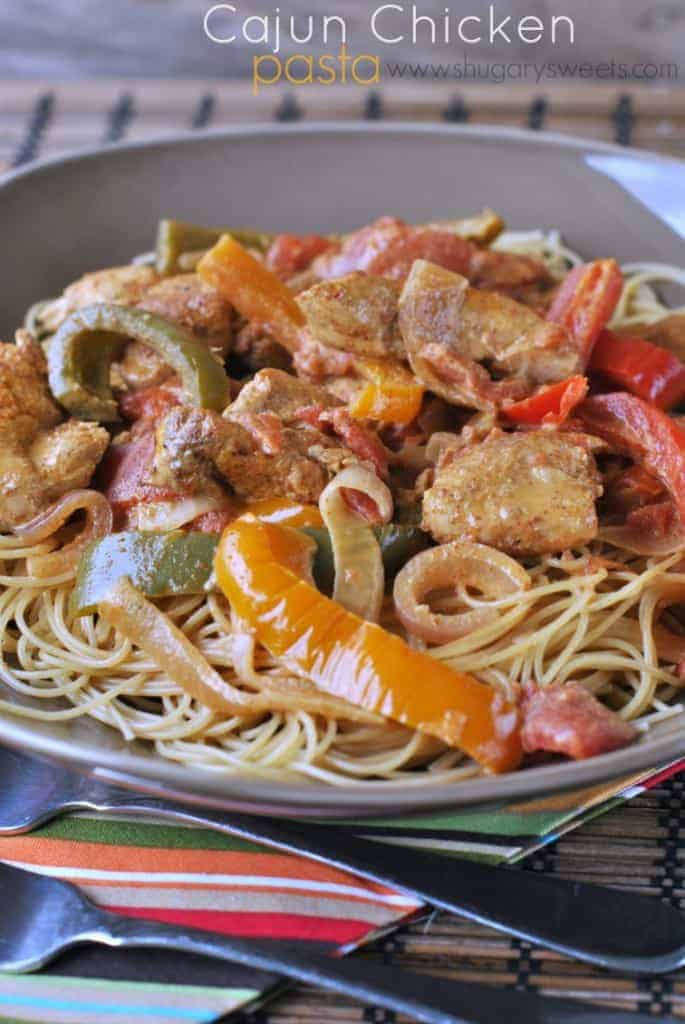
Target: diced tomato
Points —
{"points": [[289, 254], [553, 404], [633, 488], [565, 719], [149, 403], [643, 433], [362, 504], [124, 472], [654, 521], [214, 522], [644, 369], [389, 247], [586, 302], [266, 429], [363, 442]]}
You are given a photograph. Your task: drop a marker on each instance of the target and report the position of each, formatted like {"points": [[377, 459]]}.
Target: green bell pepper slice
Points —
{"points": [[398, 544], [175, 237], [169, 564], [158, 564], [81, 353]]}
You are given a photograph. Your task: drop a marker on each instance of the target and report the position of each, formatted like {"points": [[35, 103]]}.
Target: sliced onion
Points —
{"points": [[145, 625], [47, 523], [642, 543], [471, 565], [165, 516], [359, 573]]}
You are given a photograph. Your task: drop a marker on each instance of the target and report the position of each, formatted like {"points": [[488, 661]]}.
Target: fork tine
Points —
{"points": [[41, 917]]}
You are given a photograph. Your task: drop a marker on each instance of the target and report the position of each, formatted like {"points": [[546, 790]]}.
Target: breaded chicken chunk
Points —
{"points": [[477, 348], [280, 393], [356, 313], [525, 494], [123, 286], [183, 299], [40, 459]]}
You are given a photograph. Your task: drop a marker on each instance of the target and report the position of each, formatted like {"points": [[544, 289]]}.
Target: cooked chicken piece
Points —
{"points": [[258, 349], [26, 405], [668, 332], [191, 444], [525, 494], [483, 227], [186, 300], [21, 489], [538, 297], [454, 334], [278, 392], [39, 460], [280, 437], [506, 272], [123, 286], [356, 313], [66, 456]]}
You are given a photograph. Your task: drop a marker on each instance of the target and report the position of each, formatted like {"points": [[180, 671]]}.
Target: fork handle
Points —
{"points": [[425, 998], [621, 931]]}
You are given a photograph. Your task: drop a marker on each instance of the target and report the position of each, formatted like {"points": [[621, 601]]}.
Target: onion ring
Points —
{"points": [[494, 573], [359, 573], [98, 523]]}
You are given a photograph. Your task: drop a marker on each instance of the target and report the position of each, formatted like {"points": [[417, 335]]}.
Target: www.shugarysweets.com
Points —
{"points": [[389, 24]]}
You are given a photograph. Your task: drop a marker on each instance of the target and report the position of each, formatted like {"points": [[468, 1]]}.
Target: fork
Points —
{"points": [[609, 928], [44, 916]]}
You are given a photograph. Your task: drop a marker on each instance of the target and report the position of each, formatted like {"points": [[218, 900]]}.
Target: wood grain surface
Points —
{"points": [[44, 117]]}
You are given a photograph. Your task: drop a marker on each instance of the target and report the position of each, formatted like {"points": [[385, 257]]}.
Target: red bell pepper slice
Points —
{"points": [[586, 302], [644, 369], [643, 433], [553, 404]]}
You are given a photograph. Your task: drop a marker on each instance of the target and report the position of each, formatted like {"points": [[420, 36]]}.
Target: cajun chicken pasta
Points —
{"points": [[406, 503]]}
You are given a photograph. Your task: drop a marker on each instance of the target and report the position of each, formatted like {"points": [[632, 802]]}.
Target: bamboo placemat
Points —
{"points": [[638, 846], [45, 118]]}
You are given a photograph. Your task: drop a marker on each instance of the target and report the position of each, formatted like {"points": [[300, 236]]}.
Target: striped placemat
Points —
{"points": [[194, 877]]}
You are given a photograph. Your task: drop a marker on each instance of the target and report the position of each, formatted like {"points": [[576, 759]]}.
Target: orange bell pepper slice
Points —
{"points": [[257, 293], [260, 568], [392, 395]]}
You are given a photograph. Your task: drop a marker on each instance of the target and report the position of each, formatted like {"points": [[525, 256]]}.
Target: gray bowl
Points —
{"points": [[97, 209]]}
